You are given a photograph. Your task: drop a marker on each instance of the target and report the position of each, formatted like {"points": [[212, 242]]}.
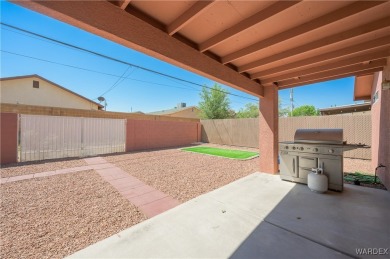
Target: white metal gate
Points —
{"points": [[103, 136], [47, 137]]}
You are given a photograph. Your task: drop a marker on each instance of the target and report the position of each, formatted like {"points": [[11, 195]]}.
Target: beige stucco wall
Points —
{"points": [[21, 91], [187, 113]]}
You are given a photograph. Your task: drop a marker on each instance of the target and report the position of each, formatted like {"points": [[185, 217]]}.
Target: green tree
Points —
{"points": [[305, 110], [232, 113], [251, 110], [215, 103]]}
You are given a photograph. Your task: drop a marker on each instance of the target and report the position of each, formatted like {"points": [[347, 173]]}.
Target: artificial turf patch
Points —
{"points": [[229, 153]]}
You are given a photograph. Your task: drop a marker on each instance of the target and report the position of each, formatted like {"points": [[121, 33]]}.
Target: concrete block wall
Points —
{"points": [[143, 134], [245, 132], [140, 135], [58, 111], [8, 138]]}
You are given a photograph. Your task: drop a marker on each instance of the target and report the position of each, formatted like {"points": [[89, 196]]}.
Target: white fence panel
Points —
{"points": [[103, 136], [48, 137]]}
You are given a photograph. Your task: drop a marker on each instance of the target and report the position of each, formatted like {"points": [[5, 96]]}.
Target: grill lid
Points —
{"points": [[319, 136]]}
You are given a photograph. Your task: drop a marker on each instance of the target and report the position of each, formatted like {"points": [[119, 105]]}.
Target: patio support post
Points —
{"points": [[268, 130], [380, 119], [9, 138]]}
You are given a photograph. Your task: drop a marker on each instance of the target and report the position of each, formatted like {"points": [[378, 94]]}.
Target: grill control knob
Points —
{"points": [[331, 151], [301, 148], [286, 147], [293, 148], [315, 149]]}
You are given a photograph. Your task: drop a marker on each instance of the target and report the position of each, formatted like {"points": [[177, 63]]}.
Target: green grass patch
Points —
{"points": [[229, 153], [363, 178]]}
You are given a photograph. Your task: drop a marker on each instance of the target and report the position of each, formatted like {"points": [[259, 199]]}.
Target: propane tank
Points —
{"points": [[317, 181]]}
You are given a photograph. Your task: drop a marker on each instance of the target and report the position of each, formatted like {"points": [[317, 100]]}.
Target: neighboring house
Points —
{"points": [[362, 108], [35, 90], [180, 111]]}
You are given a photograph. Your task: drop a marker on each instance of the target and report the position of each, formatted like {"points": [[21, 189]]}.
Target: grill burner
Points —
{"points": [[311, 149]]}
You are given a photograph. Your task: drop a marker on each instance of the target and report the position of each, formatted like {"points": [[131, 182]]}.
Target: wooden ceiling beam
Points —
{"points": [[360, 73], [324, 20], [106, 20], [195, 10], [246, 24], [335, 72], [124, 4], [362, 87], [362, 47], [333, 39], [336, 64]]}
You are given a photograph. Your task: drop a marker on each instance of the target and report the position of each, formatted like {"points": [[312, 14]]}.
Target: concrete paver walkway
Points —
{"points": [[258, 216], [149, 200], [44, 174]]}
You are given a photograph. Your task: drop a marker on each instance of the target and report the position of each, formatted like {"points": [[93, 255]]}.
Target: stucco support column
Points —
{"points": [[268, 130], [380, 119], [9, 138]]}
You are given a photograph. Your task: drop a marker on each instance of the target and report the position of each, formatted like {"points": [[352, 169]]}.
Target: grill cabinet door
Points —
{"points": [[306, 163], [333, 168], [288, 164]]}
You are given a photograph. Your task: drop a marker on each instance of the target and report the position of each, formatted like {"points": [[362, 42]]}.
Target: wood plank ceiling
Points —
{"points": [[282, 43]]}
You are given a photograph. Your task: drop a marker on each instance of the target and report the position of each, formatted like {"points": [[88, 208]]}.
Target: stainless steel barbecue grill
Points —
{"points": [[311, 149]]}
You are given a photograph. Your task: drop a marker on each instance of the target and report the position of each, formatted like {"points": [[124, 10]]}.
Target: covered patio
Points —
{"points": [[258, 47]]}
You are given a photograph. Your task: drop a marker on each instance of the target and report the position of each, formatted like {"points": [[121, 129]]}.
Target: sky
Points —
{"points": [[139, 90]]}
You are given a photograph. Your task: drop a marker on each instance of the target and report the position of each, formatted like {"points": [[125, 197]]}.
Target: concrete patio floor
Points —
{"points": [[259, 216]]}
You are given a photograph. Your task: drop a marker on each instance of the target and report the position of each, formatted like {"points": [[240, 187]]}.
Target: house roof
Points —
{"points": [[172, 111], [50, 82], [346, 109]]}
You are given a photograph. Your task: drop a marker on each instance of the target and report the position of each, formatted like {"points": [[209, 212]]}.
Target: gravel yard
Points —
{"points": [[55, 216], [39, 166], [183, 175]]}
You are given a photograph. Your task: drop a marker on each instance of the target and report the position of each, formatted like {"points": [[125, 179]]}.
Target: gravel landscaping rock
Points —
{"points": [[183, 175], [39, 166], [55, 216]]}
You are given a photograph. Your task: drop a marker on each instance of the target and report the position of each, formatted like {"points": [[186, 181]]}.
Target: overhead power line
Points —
{"points": [[114, 59], [91, 70], [104, 73], [118, 81]]}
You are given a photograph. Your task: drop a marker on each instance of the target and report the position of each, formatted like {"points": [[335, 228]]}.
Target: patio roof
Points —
{"points": [[244, 44]]}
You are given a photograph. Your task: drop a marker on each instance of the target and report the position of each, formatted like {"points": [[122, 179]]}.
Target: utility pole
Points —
{"points": [[291, 101]]}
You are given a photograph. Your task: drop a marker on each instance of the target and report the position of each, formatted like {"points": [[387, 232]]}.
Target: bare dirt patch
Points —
{"points": [[183, 175], [55, 216], [39, 166]]}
